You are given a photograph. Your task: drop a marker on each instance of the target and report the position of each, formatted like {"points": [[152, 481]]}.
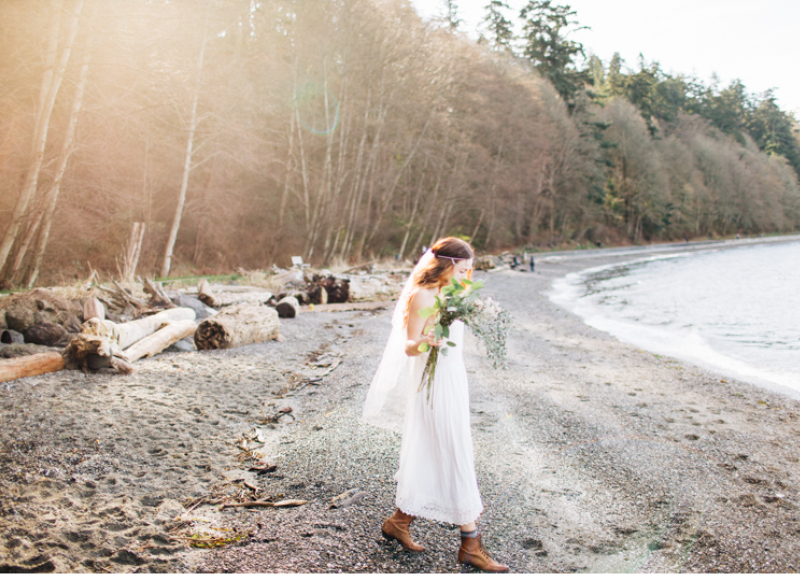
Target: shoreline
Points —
{"points": [[667, 341], [592, 455]]}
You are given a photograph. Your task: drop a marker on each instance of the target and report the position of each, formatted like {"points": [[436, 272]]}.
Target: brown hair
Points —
{"points": [[440, 269]]}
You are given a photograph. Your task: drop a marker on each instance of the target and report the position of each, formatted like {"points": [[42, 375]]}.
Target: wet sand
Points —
{"points": [[592, 455]]}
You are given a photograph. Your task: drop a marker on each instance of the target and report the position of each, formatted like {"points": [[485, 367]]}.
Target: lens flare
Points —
{"points": [[317, 108]]}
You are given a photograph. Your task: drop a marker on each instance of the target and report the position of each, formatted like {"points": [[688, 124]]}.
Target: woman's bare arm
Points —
{"points": [[420, 300]]}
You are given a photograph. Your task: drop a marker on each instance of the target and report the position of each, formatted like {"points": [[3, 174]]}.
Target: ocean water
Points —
{"points": [[733, 310]]}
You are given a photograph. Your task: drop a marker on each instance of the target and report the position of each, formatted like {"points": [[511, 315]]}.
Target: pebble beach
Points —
{"points": [[592, 456]]}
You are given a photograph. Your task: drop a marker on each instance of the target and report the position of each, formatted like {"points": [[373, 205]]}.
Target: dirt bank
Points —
{"points": [[591, 454]]}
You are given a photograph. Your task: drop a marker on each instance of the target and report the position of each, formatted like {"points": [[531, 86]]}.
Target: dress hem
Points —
{"points": [[439, 515]]}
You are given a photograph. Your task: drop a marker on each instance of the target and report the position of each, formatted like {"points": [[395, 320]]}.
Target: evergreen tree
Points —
{"points": [[729, 110], [451, 14], [669, 97], [616, 78], [545, 30], [498, 27], [774, 130], [640, 90]]}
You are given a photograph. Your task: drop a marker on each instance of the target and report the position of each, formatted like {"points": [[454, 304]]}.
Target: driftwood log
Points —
{"points": [[337, 288], [316, 294], [238, 325], [101, 342], [93, 308], [253, 297], [366, 266], [126, 334], [288, 307], [120, 298], [205, 295], [351, 306], [11, 336], [157, 294], [45, 333], [226, 296], [300, 296], [370, 288], [484, 263], [282, 503], [161, 340], [95, 351], [37, 364]]}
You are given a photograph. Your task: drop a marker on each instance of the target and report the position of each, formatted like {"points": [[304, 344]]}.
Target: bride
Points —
{"points": [[436, 476]]}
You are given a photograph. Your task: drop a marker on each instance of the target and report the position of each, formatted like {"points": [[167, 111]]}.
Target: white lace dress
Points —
{"points": [[436, 478]]}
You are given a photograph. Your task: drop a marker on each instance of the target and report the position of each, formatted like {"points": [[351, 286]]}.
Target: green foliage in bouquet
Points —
{"points": [[461, 301]]}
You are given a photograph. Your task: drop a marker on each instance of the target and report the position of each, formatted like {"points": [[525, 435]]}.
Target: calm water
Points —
{"points": [[734, 310]]}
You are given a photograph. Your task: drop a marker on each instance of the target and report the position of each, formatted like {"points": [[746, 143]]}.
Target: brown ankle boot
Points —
{"points": [[472, 553], [396, 527]]}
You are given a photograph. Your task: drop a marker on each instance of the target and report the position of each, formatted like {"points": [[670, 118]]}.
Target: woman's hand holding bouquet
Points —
{"points": [[461, 301]]}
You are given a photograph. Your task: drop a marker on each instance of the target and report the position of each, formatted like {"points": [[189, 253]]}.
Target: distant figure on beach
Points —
{"points": [[533, 264], [436, 478]]}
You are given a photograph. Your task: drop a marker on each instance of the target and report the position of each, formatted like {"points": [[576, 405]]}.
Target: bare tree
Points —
{"points": [[51, 197], [56, 60], [187, 164]]}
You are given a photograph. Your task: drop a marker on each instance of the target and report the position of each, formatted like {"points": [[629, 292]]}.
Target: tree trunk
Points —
{"points": [[305, 198], [132, 251], [187, 166], [336, 217], [33, 226], [51, 82], [414, 208], [389, 195], [161, 340], [360, 176], [37, 364], [238, 325], [320, 209], [290, 170], [51, 198]]}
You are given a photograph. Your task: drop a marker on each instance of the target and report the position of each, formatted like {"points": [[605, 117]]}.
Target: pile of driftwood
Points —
{"points": [[89, 337], [114, 325], [319, 287], [312, 287]]}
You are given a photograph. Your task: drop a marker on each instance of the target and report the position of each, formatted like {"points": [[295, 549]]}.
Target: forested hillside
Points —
{"points": [[237, 133]]}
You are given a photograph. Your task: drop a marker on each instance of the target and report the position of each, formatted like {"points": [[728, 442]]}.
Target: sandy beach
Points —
{"points": [[592, 455]]}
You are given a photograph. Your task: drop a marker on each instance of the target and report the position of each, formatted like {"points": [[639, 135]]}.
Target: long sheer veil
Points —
{"points": [[398, 374]]}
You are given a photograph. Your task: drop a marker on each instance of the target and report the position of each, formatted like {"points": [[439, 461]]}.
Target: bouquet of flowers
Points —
{"points": [[461, 300]]}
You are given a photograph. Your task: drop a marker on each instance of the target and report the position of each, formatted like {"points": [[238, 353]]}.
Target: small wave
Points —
{"points": [[732, 311]]}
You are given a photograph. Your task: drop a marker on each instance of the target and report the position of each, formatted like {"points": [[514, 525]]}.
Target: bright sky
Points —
{"points": [[752, 40]]}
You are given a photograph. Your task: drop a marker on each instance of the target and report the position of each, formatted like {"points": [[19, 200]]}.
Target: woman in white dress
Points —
{"points": [[436, 476]]}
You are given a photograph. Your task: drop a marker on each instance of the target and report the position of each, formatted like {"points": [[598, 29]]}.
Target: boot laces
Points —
{"points": [[485, 553]]}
